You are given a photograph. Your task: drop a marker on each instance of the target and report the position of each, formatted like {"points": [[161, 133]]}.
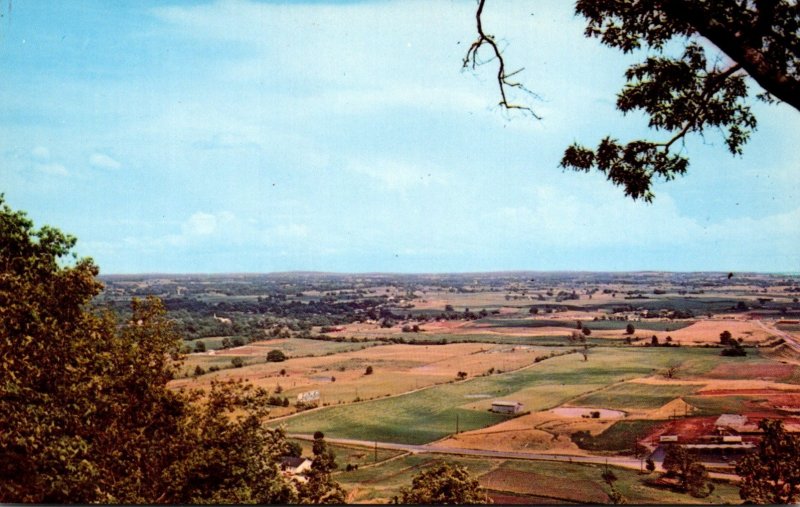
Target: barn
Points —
{"points": [[506, 407]]}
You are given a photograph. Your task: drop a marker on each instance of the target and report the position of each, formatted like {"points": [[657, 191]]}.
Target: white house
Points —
{"points": [[295, 466]]}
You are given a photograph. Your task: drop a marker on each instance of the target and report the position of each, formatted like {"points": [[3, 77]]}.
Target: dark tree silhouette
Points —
{"points": [[684, 93]]}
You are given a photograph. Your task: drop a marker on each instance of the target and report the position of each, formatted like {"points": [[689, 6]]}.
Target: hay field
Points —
{"points": [[341, 377]]}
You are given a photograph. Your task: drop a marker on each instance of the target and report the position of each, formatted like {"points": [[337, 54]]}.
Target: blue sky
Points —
{"points": [[245, 136]]}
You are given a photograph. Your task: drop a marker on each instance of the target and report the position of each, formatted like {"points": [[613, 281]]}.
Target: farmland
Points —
{"points": [[598, 362]]}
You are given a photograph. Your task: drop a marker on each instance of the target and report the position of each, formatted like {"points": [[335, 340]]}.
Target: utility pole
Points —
{"points": [[376, 451]]}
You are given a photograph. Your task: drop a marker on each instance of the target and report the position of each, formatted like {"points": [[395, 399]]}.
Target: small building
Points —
{"points": [[730, 423], [668, 438], [507, 407], [292, 465]]}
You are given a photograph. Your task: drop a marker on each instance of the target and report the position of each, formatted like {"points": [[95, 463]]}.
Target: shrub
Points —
{"points": [[237, 362], [368, 371], [276, 356]]}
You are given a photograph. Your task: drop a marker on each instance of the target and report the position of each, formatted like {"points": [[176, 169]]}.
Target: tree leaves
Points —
{"points": [[85, 412]]}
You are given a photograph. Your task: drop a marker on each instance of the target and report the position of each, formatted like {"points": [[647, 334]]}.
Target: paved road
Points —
{"points": [[536, 456]]}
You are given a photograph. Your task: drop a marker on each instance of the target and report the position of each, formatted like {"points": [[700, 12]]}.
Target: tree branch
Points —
{"points": [[711, 88], [740, 48], [503, 82]]}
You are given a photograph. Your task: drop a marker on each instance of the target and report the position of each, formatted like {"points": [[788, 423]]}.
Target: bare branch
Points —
{"points": [[503, 82]]}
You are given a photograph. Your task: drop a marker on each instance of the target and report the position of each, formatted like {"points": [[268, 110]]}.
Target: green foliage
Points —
{"points": [[771, 475], [629, 329], [692, 475], [85, 412], [689, 93], [444, 484], [320, 487]]}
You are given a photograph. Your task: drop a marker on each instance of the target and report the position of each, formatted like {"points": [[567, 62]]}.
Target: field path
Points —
{"points": [[790, 340], [621, 461]]}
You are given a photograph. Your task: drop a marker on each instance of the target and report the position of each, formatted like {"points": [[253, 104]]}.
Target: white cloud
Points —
{"points": [[206, 224], [396, 175], [53, 169], [103, 161]]}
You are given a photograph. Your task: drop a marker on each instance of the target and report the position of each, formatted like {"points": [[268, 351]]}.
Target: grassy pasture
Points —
{"points": [[428, 415], [619, 437], [531, 481], [633, 395], [378, 484], [717, 405]]}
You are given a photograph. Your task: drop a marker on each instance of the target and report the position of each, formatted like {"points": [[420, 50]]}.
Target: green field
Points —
{"points": [[431, 414], [541, 481], [632, 395], [619, 437]]}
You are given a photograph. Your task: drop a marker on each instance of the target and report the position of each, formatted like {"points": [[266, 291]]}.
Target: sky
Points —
{"points": [[260, 136]]}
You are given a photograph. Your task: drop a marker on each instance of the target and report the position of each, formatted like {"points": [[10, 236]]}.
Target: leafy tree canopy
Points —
{"points": [[771, 475], [682, 92], [444, 484], [85, 412]]}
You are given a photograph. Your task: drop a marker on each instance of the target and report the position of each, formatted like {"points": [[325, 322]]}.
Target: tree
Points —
{"points": [[678, 86], [586, 331], [368, 371], [443, 484], [629, 329], [200, 346], [725, 337], [237, 362], [650, 465], [641, 452], [654, 341], [85, 412], [771, 475], [461, 375], [276, 356], [320, 487], [692, 476]]}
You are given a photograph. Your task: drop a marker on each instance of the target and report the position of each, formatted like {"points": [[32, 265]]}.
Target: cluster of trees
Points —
{"points": [[85, 411], [732, 347]]}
